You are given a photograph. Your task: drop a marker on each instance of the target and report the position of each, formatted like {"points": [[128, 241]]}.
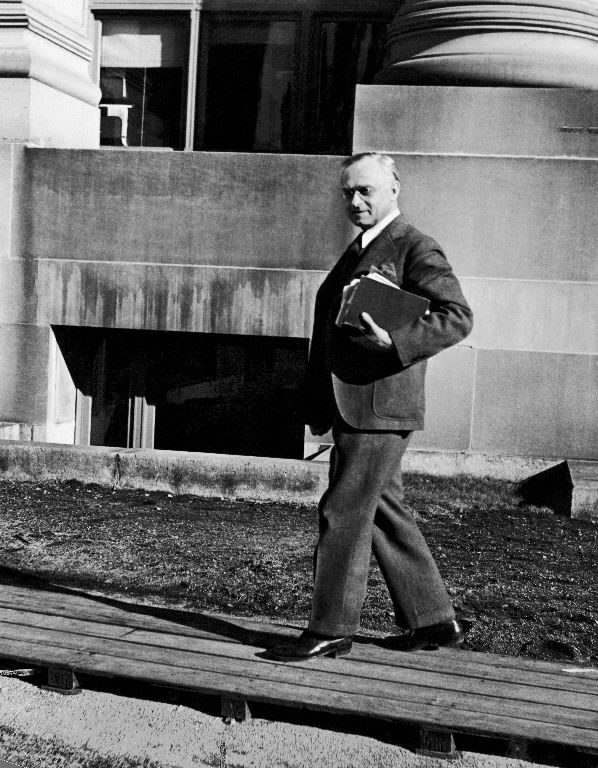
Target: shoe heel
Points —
{"points": [[342, 651]]}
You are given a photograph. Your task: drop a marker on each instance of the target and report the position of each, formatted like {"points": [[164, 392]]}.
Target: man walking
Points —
{"points": [[369, 387]]}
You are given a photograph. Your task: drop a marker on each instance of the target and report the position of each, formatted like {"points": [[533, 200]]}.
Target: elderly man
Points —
{"points": [[368, 386]]}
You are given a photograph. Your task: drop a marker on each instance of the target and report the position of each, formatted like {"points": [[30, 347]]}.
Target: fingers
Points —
{"points": [[350, 285], [379, 335]]}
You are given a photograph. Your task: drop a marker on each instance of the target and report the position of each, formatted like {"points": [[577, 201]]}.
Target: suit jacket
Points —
{"points": [[376, 389]]}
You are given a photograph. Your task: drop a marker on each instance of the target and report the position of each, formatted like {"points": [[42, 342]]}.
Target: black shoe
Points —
{"points": [[309, 645], [445, 634]]}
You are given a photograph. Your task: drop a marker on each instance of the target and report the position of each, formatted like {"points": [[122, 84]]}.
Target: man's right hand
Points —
{"points": [[317, 430]]}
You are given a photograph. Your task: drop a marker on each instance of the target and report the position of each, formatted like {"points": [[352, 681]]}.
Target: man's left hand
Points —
{"points": [[378, 336]]}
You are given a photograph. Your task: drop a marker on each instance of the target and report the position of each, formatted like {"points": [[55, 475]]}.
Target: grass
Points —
{"points": [[522, 579]]}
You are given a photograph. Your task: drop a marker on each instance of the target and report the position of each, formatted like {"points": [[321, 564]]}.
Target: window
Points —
{"points": [[189, 391], [349, 52], [252, 82], [143, 81], [247, 85]]}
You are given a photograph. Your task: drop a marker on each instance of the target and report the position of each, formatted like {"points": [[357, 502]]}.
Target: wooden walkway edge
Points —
{"points": [[70, 633]]}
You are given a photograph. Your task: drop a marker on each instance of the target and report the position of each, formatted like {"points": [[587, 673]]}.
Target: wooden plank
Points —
{"points": [[447, 663], [285, 694], [131, 614], [349, 667], [65, 623], [140, 616], [336, 677], [403, 675]]}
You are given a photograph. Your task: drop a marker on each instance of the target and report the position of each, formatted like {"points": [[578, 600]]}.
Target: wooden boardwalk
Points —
{"points": [[443, 692]]}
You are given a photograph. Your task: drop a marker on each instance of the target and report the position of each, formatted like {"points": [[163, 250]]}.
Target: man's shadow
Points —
{"points": [[243, 631]]}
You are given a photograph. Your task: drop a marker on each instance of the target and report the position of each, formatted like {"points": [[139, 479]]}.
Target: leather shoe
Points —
{"points": [[445, 634], [309, 645]]}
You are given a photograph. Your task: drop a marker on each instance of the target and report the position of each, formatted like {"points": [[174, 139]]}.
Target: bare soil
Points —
{"points": [[524, 581]]}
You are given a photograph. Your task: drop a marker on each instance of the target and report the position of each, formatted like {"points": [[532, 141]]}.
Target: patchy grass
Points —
{"points": [[27, 751], [522, 579]]}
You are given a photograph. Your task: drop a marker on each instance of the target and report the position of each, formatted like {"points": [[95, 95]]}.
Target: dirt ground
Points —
{"points": [[524, 582]]}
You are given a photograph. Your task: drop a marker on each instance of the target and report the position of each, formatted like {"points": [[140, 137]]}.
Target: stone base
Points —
{"points": [[534, 122], [45, 116]]}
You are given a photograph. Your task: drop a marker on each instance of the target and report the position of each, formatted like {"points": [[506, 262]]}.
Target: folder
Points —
{"points": [[389, 306]]}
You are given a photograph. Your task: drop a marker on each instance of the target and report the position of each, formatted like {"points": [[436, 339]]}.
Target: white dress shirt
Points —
{"points": [[372, 233]]}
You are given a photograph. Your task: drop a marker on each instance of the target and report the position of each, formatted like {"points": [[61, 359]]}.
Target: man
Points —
{"points": [[369, 387]]}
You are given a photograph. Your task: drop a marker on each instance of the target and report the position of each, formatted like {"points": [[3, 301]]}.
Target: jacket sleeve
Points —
{"points": [[428, 274]]}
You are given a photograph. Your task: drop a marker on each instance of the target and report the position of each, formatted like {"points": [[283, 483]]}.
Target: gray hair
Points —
{"points": [[385, 161]]}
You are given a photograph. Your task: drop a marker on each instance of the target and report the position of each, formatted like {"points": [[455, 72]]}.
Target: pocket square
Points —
{"points": [[386, 270]]}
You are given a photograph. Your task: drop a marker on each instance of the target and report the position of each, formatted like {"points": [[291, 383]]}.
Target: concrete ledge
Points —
{"points": [[225, 476], [475, 464], [201, 474], [48, 461], [222, 475]]}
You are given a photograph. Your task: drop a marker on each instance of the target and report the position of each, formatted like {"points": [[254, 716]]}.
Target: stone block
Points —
{"points": [[207, 299], [24, 357], [506, 217], [40, 462], [192, 208], [45, 116], [477, 121], [6, 197], [449, 394], [533, 315], [535, 404]]}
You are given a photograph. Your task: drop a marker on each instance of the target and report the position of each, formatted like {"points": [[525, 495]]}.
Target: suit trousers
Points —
{"points": [[363, 510]]}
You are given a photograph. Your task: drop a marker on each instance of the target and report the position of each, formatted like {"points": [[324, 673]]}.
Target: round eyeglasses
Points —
{"points": [[364, 192]]}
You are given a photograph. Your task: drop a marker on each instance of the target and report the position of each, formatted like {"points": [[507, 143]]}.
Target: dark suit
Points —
{"points": [[374, 398]]}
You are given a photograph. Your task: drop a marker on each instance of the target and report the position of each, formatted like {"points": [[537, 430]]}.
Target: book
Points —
{"points": [[389, 306]]}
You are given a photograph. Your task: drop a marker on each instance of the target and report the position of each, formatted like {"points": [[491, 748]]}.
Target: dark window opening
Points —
{"points": [[247, 77], [210, 392], [349, 53]]}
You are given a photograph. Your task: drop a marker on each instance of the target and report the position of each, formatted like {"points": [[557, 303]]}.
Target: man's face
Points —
{"points": [[370, 191]]}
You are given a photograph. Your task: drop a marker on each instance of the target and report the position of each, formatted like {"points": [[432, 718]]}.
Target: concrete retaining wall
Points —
{"points": [[222, 476]]}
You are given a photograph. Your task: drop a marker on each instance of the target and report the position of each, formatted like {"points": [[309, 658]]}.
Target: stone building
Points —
{"points": [[169, 206]]}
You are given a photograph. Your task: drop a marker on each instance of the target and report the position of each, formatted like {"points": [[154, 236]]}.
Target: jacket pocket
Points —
{"points": [[402, 395]]}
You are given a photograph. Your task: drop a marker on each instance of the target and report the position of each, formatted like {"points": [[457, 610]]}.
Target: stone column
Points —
{"points": [[552, 43], [47, 98], [46, 86]]}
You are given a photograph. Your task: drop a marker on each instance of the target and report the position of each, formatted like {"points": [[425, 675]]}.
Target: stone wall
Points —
{"points": [[226, 243]]}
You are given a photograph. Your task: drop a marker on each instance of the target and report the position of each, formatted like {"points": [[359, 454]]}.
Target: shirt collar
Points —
{"points": [[371, 234]]}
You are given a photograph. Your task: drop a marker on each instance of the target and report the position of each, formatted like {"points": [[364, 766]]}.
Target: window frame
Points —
{"points": [[186, 20], [309, 17]]}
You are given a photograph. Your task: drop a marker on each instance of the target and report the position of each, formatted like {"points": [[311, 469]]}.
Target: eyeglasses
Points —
{"points": [[364, 192]]}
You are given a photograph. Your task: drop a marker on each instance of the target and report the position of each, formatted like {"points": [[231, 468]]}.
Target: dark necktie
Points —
{"points": [[351, 260]]}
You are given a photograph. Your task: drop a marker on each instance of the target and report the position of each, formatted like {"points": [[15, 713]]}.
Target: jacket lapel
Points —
{"points": [[382, 251]]}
